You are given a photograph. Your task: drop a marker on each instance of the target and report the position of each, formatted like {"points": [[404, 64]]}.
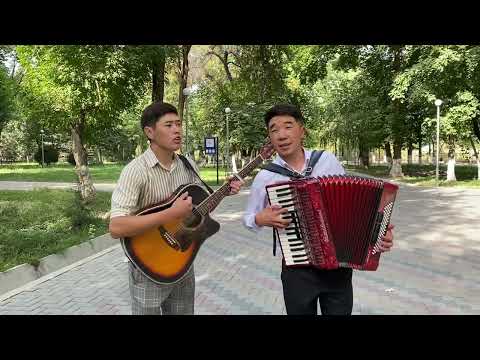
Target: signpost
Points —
{"points": [[211, 148]]}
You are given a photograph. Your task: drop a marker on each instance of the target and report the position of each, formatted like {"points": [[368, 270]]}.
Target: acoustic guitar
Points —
{"points": [[165, 254]]}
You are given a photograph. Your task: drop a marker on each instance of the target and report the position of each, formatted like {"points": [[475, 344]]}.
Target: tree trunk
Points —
{"points": [[85, 183], [476, 127], [223, 57], [420, 143], [364, 154], [252, 155], [476, 157], [396, 170], [138, 150], [420, 152], [99, 156], [388, 153], [451, 160], [225, 66], [398, 119], [234, 163], [182, 79], [158, 78], [410, 153], [12, 74]]}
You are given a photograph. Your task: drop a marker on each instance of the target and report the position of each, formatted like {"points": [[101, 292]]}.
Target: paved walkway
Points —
{"points": [[433, 269], [30, 185]]}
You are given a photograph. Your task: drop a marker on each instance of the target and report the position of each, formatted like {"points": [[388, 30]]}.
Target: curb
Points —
{"points": [[26, 273]]}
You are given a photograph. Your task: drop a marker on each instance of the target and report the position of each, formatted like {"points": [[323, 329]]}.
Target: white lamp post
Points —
{"points": [[227, 111], [187, 92], [43, 154], [438, 103]]}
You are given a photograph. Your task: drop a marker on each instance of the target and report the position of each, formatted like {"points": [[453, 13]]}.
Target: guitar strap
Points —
{"points": [[189, 166]]}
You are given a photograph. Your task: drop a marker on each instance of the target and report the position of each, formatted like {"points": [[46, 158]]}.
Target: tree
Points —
{"points": [[6, 97], [182, 75], [382, 64], [50, 155], [349, 115], [226, 55], [88, 85], [450, 73], [246, 78]]}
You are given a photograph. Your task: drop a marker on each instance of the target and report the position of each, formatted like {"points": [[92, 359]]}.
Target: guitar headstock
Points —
{"points": [[267, 150]]}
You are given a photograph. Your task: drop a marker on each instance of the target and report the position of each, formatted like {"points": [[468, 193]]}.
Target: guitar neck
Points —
{"points": [[211, 202]]}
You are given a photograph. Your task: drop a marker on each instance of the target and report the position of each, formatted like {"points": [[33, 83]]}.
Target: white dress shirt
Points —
{"points": [[257, 201]]}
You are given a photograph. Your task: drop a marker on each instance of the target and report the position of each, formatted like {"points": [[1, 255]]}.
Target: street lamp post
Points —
{"points": [[438, 103], [187, 92], [227, 111], [43, 154]]}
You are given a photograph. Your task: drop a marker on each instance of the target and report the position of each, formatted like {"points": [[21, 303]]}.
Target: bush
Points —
{"points": [[50, 154]]}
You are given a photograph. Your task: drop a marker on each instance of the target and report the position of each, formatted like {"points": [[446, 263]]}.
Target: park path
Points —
{"points": [[433, 269]]}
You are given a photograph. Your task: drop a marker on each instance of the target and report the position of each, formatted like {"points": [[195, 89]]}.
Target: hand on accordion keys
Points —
{"points": [[272, 216], [387, 243]]}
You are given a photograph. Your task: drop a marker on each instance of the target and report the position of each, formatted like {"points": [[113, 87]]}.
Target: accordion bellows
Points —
{"points": [[337, 221]]}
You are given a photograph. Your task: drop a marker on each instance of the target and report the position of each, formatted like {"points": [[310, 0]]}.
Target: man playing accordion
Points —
{"points": [[303, 287]]}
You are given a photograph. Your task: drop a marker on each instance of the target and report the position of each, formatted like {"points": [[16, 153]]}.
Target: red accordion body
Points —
{"points": [[337, 221]]}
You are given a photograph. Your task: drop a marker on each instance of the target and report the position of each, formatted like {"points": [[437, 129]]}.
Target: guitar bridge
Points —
{"points": [[169, 238]]}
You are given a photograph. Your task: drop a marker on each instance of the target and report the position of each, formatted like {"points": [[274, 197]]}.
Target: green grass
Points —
{"points": [[424, 175], [58, 173], [209, 175], [35, 224], [108, 173]]}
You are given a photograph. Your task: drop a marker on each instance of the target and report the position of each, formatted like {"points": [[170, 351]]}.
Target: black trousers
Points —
{"points": [[304, 287]]}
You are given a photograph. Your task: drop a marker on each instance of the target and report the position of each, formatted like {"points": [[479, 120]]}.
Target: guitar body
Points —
{"points": [[165, 254]]}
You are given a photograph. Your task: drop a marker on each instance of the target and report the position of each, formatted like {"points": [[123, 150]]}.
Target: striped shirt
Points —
{"points": [[145, 182]]}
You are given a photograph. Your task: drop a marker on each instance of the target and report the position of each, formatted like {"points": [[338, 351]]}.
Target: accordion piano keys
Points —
{"points": [[291, 243], [321, 214]]}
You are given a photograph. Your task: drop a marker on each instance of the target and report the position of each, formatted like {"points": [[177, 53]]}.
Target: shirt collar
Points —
{"points": [[152, 160], [278, 160]]}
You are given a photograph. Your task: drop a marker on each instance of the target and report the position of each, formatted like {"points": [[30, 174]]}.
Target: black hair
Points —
{"points": [[284, 109], [155, 111]]}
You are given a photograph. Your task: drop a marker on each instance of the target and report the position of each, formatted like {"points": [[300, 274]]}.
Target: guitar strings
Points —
{"points": [[221, 191]]}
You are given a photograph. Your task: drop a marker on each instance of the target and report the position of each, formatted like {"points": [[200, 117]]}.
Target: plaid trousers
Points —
{"points": [[149, 298]]}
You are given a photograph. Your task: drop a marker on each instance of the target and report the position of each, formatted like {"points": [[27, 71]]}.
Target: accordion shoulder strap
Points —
{"points": [[281, 170], [314, 157]]}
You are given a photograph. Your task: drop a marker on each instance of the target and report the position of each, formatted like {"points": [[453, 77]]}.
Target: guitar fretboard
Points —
{"points": [[210, 203]]}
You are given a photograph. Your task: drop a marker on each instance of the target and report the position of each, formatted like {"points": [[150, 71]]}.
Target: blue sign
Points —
{"points": [[210, 146]]}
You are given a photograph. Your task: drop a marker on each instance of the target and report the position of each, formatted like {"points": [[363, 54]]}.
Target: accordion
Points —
{"points": [[336, 221]]}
